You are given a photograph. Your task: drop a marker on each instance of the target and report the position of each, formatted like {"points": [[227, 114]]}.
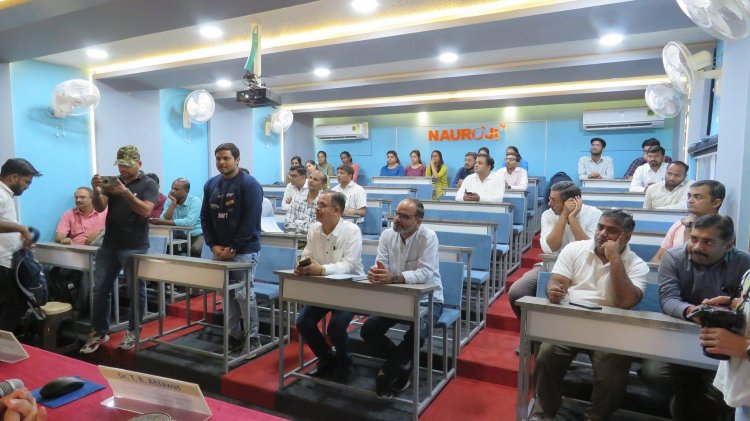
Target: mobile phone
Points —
{"points": [[109, 180], [586, 304], [304, 262]]}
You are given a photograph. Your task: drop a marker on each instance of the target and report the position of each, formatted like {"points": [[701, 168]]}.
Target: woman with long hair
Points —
{"points": [[393, 165], [416, 168], [438, 171]]}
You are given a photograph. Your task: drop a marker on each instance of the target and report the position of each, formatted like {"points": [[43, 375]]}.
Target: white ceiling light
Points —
{"points": [[611, 39], [211, 32], [510, 112], [364, 6], [96, 53], [448, 57], [224, 83], [321, 72], [423, 117]]}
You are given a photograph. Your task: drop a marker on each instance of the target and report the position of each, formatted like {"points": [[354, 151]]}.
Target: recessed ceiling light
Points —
{"points": [[224, 83], [510, 112], [321, 72], [364, 6], [211, 32], [611, 39], [96, 53], [448, 57], [423, 117]]}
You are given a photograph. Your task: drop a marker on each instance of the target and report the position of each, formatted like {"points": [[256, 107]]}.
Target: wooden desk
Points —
{"points": [[399, 301], [168, 231], [618, 184], [192, 272], [641, 334], [279, 239]]}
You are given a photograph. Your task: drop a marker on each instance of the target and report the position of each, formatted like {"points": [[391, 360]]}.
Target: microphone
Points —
{"points": [[9, 386]]}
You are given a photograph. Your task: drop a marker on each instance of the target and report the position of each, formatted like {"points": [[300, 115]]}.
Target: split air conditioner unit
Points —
{"points": [[621, 119], [342, 131]]}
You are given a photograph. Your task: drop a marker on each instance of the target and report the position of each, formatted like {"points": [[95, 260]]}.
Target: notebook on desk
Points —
{"points": [[347, 277]]}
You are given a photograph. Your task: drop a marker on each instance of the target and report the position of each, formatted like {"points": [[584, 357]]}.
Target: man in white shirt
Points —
{"points": [[297, 176], [407, 254], [334, 246], [566, 220], [16, 176], [651, 172], [672, 193], [515, 177], [595, 165], [301, 215], [356, 196], [483, 185], [603, 271]]}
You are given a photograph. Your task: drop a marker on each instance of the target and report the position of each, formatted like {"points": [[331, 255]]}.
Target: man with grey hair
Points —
{"points": [[301, 215], [83, 223]]}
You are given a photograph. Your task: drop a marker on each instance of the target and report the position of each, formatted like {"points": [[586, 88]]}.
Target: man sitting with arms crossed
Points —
{"points": [[183, 210], [334, 246], [301, 214], [651, 172], [468, 169], [407, 254], [602, 271], [484, 185], [356, 196], [297, 176], [703, 198], [672, 192], [82, 224], [706, 267]]}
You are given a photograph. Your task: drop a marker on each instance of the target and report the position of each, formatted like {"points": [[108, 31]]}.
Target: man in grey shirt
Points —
{"points": [[707, 266]]}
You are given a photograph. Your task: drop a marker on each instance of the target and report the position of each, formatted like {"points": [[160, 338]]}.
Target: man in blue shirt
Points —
{"points": [[468, 169], [184, 210], [230, 216]]}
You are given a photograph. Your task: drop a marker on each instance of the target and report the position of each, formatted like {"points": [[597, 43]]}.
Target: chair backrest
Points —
{"points": [[157, 244], [519, 209], [481, 245], [373, 220], [504, 220], [541, 284], [368, 261], [452, 277], [272, 258]]}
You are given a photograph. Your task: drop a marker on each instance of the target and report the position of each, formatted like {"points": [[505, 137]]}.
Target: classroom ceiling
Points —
{"points": [[510, 52]]}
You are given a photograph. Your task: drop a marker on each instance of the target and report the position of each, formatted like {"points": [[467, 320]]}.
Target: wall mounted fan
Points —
{"points": [[279, 122], [74, 97], [198, 108], [725, 19], [664, 100]]}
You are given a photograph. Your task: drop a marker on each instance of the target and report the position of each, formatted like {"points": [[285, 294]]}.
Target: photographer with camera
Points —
{"points": [[733, 376], [706, 267]]}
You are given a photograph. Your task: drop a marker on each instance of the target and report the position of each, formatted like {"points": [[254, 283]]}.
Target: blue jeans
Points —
{"points": [[307, 324], [107, 265]]}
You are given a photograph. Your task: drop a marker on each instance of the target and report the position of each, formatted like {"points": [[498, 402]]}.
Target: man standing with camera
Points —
{"points": [[129, 200], [706, 267]]}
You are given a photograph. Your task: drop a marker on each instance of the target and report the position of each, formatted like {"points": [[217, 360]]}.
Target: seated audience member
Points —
{"points": [[606, 272], [159, 206], [295, 161], [566, 220], [512, 150], [438, 171], [183, 209], [323, 165], [703, 198], [645, 146], [310, 166], [301, 213], [468, 169], [393, 165], [21, 405], [356, 196], [416, 168], [484, 151], [484, 185], [515, 177], [651, 172], [82, 224], [672, 193], [706, 267], [334, 246], [297, 178], [732, 377], [346, 159], [407, 254], [595, 165]]}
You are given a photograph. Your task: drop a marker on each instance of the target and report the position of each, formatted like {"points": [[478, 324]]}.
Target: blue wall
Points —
{"points": [[65, 160], [550, 138], [266, 150], [184, 151]]}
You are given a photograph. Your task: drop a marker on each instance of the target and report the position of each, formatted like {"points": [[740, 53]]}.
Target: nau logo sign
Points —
{"points": [[466, 133]]}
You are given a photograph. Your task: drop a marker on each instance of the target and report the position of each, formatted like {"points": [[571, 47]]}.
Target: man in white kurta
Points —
{"points": [[483, 185], [672, 193], [652, 172]]}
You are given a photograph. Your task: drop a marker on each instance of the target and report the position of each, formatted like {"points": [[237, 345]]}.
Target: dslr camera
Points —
{"points": [[722, 317]]}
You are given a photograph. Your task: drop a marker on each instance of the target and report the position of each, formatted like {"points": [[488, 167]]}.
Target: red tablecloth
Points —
{"points": [[43, 366]]}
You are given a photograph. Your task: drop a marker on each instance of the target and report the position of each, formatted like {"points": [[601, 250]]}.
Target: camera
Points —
{"points": [[721, 317], [109, 180]]}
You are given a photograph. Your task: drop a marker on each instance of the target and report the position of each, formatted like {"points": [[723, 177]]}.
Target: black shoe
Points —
{"points": [[235, 344], [342, 372], [401, 382], [325, 368], [383, 386]]}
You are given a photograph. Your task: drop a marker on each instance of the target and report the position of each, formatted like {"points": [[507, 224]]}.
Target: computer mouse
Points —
{"points": [[60, 386]]}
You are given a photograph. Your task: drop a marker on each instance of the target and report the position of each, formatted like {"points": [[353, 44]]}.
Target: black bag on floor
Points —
{"points": [[31, 280]]}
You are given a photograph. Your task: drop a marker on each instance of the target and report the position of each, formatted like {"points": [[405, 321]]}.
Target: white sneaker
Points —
{"points": [[93, 342], [128, 341]]}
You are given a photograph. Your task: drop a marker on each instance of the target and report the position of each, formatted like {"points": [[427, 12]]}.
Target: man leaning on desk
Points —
{"points": [[334, 246], [407, 254], [602, 271]]}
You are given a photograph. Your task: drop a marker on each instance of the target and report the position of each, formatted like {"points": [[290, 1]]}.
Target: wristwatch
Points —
{"points": [[394, 279], [232, 250]]}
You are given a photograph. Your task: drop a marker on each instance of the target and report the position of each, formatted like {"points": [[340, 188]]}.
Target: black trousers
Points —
{"points": [[12, 304]]}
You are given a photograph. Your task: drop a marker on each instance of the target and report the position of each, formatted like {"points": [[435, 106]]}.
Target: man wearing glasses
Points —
{"points": [[407, 254], [515, 177]]}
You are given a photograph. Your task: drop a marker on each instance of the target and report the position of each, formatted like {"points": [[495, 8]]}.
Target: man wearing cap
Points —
{"points": [[129, 200]]}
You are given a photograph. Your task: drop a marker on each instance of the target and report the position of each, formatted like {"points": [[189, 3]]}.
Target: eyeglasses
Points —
{"points": [[404, 216]]}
